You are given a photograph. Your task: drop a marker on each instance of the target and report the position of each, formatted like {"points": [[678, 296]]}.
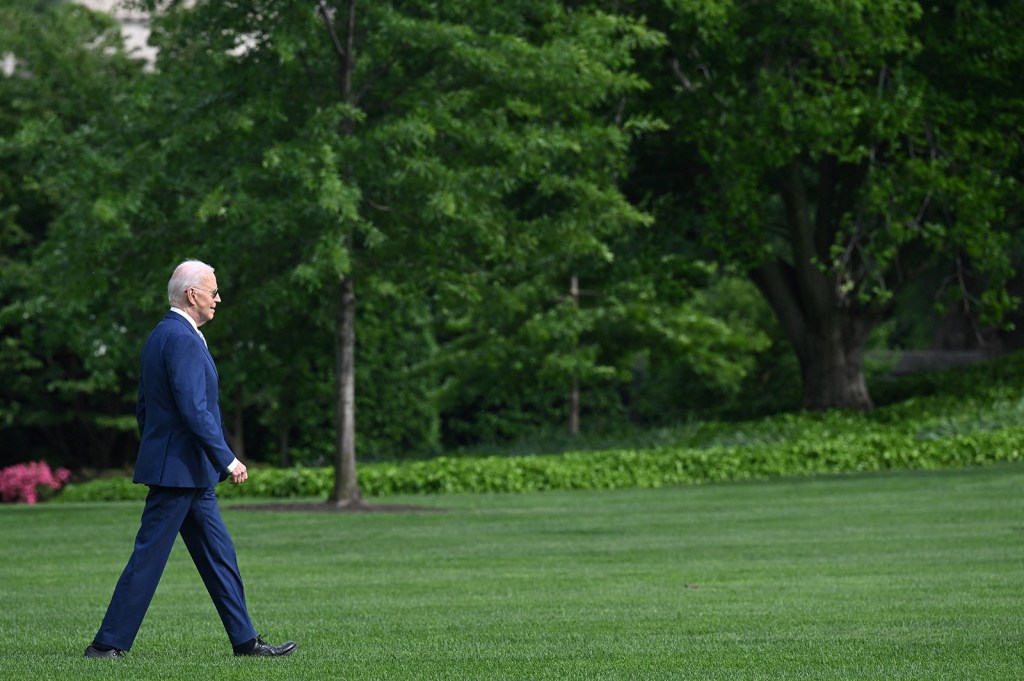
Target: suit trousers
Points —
{"points": [[195, 515]]}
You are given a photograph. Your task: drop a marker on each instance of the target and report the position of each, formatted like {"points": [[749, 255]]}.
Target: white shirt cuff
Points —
{"points": [[233, 465]]}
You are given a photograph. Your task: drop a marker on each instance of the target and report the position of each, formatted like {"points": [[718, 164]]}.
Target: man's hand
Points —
{"points": [[239, 475]]}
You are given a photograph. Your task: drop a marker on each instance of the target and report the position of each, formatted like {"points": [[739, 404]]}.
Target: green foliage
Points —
{"points": [[105, 489], [838, 152], [729, 353], [820, 449], [651, 337], [962, 418], [473, 168], [64, 373], [436, 178]]}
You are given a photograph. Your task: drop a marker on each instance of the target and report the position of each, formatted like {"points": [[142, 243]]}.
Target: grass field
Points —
{"points": [[894, 576]]}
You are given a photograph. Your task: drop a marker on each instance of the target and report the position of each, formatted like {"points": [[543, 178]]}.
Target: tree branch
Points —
{"points": [[812, 284], [777, 282], [680, 76], [326, 12]]}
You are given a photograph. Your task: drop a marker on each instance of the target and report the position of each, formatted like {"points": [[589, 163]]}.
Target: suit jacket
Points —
{"points": [[183, 440]]}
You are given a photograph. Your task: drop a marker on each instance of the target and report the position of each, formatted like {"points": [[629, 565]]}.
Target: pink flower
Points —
{"points": [[21, 482]]}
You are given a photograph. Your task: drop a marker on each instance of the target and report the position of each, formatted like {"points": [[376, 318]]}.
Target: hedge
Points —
{"points": [[850, 450]]}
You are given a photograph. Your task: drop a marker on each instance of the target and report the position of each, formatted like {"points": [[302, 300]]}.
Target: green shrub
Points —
{"points": [[967, 417], [106, 489], [844, 452]]}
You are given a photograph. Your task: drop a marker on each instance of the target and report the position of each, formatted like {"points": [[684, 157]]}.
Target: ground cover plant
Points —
{"points": [[966, 417], [896, 575]]}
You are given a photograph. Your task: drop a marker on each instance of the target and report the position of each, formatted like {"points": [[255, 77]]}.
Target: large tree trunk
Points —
{"points": [[346, 483], [828, 340], [832, 366], [816, 306]]}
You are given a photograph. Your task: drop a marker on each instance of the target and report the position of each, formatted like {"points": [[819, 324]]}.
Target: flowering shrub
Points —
{"points": [[22, 482]]}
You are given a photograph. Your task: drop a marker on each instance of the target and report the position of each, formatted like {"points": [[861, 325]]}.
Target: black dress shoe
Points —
{"points": [[264, 649], [93, 651]]}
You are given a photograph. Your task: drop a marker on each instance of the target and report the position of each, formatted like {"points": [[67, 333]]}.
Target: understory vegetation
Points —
{"points": [[963, 417]]}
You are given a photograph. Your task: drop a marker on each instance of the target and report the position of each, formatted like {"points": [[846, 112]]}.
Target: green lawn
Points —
{"points": [[888, 576]]}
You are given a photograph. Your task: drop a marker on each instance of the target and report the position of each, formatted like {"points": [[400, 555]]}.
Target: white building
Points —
{"points": [[134, 27]]}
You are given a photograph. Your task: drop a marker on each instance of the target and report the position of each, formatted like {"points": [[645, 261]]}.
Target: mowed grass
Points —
{"points": [[890, 576]]}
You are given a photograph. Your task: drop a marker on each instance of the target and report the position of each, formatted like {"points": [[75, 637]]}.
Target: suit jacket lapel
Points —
{"points": [[174, 315], [209, 356]]}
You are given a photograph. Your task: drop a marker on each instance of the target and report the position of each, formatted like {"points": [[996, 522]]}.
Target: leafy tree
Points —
{"points": [[838, 152], [409, 150], [636, 316], [66, 73]]}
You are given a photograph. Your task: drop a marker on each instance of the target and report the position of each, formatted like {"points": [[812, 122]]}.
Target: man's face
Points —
{"points": [[205, 298]]}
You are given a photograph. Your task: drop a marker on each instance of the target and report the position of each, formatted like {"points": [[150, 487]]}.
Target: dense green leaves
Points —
{"points": [[62, 368], [417, 153], [455, 166], [969, 417], [964, 418], [837, 159], [423, 155]]}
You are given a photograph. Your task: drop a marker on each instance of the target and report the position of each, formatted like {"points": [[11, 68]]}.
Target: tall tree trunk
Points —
{"points": [[574, 389], [346, 483]]}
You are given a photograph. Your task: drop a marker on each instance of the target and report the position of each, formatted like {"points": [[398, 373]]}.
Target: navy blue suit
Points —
{"points": [[183, 453]]}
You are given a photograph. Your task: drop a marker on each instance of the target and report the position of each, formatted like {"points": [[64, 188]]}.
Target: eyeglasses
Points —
{"points": [[213, 294]]}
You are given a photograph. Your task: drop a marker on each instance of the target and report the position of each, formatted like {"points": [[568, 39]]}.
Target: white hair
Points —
{"points": [[188, 274]]}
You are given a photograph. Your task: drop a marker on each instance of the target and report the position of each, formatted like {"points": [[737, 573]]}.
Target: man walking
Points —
{"points": [[182, 455]]}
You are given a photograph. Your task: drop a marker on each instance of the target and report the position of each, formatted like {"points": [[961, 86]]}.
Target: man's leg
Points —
{"points": [[213, 552], [161, 519]]}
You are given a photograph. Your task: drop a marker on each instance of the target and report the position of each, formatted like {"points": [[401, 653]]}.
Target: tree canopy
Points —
{"points": [[464, 220], [836, 157]]}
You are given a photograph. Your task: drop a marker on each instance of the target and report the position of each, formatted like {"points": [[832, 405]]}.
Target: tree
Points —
{"points": [[833, 160], [510, 366], [60, 375], [391, 146]]}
